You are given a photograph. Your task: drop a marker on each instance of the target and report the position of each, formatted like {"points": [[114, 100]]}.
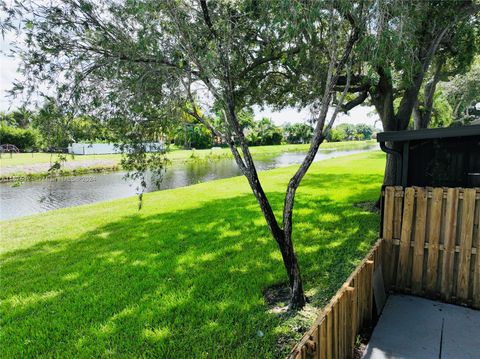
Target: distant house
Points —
{"points": [[108, 148]]}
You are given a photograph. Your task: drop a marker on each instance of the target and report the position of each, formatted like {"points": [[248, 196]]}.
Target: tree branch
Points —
{"points": [[319, 134], [410, 97], [206, 17], [355, 102], [263, 60]]}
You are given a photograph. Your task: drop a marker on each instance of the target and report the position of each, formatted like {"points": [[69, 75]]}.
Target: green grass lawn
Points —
{"points": [[183, 277], [19, 159]]}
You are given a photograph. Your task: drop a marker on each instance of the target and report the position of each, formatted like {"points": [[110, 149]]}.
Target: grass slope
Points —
{"points": [[182, 278]]}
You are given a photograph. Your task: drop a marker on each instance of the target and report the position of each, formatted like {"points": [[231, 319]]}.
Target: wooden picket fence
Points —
{"points": [[434, 238], [333, 333], [429, 247]]}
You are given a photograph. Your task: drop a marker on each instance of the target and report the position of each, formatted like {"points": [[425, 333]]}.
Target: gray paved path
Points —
{"points": [[417, 328]]}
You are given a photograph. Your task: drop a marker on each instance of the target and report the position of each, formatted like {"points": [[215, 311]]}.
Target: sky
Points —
{"points": [[8, 72], [360, 114]]}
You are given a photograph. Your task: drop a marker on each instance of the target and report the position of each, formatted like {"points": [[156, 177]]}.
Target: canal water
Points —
{"points": [[45, 195]]}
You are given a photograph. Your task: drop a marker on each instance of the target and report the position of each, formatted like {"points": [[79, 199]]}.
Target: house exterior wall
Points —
{"points": [[107, 148]]}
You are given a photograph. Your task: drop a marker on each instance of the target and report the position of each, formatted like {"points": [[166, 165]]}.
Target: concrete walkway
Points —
{"points": [[417, 328]]}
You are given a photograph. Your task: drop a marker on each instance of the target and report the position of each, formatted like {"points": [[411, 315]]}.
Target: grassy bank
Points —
{"points": [[20, 177], [176, 155], [184, 277]]}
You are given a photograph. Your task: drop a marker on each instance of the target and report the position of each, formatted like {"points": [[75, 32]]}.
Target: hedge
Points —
{"points": [[22, 138]]}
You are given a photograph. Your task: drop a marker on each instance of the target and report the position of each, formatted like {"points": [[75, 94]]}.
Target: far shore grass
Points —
{"points": [[175, 155], [183, 277]]}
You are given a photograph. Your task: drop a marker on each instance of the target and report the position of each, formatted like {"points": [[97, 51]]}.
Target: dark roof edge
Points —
{"points": [[429, 133]]}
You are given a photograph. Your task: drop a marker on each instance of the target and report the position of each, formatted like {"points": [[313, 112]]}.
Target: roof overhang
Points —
{"points": [[429, 133]]}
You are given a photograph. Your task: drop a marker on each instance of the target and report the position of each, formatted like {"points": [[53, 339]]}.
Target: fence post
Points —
{"points": [[419, 240], [351, 326], [404, 251], [466, 239], [449, 245], [434, 224], [387, 233]]}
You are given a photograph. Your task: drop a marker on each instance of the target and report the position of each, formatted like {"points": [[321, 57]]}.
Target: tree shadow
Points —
{"points": [[185, 283]]}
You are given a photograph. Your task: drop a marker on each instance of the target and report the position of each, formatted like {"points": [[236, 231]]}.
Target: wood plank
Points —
{"points": [[419, 240], [303, 352], [354, 310], [466, 240], [406, 233], [323, 339], [361, 296], [330, 348], [369, 295], [398, 211], [336, 325], [351, 332], [388, 213], [434, 225], [449, 245], [341, 328], [358, 293], [313, 343], [476, 270], [397, 232], [388, 228]]}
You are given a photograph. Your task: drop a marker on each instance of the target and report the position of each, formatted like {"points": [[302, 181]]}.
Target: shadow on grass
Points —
{"points": [[181, 284]]}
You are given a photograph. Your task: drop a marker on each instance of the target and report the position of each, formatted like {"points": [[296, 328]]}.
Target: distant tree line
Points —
{"points": [[49, 129], [350, 132]]}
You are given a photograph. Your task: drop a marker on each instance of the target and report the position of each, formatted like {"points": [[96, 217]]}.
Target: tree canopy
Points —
{"points": [[463, 93]]}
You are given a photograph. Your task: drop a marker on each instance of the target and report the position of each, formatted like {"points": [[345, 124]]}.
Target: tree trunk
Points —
{"points": [[392, 165], [285, 244], [383, 97], [284, 241], [298, 299], [423, 115], [417, 117]]}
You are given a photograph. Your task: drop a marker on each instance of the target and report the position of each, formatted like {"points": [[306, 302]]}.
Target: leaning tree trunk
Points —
{"points": [[284, 242], [247, 166]]}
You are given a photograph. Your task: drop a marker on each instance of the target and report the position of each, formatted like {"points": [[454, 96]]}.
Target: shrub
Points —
{"points": [[193, 136], [336, 135], [298, 133], [22, 138], [263, 132]]}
